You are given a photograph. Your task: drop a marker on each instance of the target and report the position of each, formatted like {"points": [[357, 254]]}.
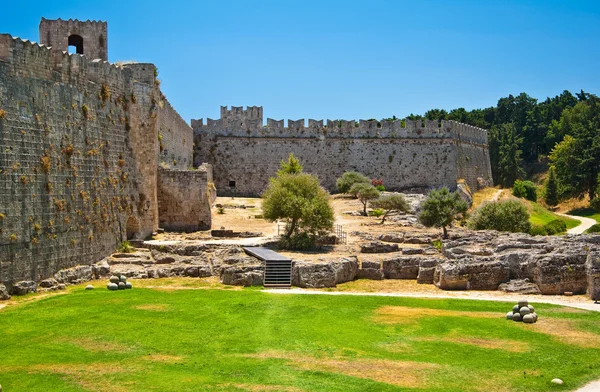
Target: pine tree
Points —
{"points": [[551, 188]]}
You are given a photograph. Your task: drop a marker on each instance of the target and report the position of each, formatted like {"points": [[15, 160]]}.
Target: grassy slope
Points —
{"points": [[182, 340], [540, 216]]}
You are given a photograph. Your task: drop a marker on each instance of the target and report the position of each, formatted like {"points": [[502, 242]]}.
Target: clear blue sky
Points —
{"points": [[341, 59]]}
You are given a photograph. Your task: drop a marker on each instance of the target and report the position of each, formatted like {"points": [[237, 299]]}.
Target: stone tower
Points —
{"points": [[89, 38]]}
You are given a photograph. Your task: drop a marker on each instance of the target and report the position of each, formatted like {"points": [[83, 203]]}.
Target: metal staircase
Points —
{"points": [[278, 268]]}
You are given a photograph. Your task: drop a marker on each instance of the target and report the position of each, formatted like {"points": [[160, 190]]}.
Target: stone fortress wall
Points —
{"points": [[176, 138], [79, 152], [415, 155]]}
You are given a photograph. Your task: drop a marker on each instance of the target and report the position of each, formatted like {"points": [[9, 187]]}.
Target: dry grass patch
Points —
{"points": [[400, 373], [512, 346], [164, 358], [406, 315], [565, 331], [264, 388], [387, 286], [94, 345], [90, 377], [153, 307], [483, 195], [180, 283]]}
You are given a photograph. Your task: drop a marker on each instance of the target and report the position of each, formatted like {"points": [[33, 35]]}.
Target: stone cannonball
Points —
{"points": [[523, 302], [535, 316], [114, 279], [89, 287], [517, 317], [112, 286], [524, 310], [128, 285], [528, 319], [121, 286], [509, 315], [516, 309], [531, 309], [123, 278]]}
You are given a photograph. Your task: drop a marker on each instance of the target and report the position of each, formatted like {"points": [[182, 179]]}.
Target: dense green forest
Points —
{"points": [[525, 133]]}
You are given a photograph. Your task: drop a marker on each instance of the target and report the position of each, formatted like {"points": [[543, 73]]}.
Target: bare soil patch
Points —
{"points": [[407, 315], [165, 358], [95, 345], [264, 388], [565, 331], [153, 307], [406, 374]]}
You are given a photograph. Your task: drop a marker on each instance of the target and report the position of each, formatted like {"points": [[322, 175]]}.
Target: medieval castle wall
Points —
{"points": [[179, 196], [176, 138], [405, 154], [79, 152]]}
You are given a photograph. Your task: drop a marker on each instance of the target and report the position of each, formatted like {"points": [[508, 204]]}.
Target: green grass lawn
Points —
{"points": [[540, 216], [586, 212], [246, 340]]}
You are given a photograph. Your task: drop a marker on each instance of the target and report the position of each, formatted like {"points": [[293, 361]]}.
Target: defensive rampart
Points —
{"points": [[79, 152], [405, 154]]}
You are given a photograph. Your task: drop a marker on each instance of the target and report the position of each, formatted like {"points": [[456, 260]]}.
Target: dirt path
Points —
{"points": [[497, 195], [585, 224], [585, 305]]}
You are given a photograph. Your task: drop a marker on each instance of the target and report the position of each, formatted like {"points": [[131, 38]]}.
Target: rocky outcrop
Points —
{"points": [[24, 287], [427, 269], [4, 295], [484, 260], [75, 275], [378, 247], [520, 286], [401, 267], [593, 274], [370, 270], [313, 275], [324, 273], [243, 276], [345, 269]]}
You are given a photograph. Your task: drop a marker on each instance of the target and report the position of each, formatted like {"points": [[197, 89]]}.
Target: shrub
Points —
{"points": [[345, 182], [537, 230], [376, 212], [556, 226], [507, 215], [377, 182], [380, 188], [46, 163], [126, 247], [441, 208], [595, 203], [525, 189], [594, 229]]}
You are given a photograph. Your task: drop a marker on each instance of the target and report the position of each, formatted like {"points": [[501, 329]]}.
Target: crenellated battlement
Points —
{"points": [[237, 122], [65, 67], [87, 37]]}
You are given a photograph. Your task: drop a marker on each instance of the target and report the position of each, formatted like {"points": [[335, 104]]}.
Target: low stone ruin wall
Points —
{"points": [[469, 261]]}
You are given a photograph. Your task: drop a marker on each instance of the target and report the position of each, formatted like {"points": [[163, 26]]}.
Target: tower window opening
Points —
{"points": [[75, 44]]}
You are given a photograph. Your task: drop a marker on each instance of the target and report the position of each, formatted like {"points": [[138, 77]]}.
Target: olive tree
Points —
{"points": [[364, 193], [391, 204], [441, 208], [303, 204]]}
